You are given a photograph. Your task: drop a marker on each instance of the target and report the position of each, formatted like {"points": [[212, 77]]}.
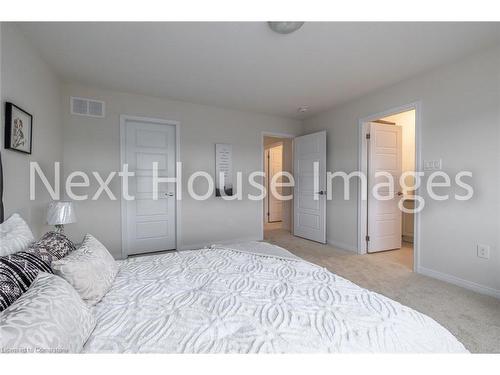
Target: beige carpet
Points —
{"points": [[472, 317]]}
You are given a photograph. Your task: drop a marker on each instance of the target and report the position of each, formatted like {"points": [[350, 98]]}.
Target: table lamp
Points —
{"points": [[60, 213]]}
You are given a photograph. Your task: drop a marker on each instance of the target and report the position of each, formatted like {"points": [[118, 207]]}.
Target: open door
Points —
{"points": [[310, 200], [384, 216], [275, 158]]}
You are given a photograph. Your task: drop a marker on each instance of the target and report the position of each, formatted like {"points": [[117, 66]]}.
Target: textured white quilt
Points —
{"points": [[227, 301]]}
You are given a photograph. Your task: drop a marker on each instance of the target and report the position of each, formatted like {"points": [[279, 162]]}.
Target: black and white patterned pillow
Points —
{"points": [[17, 272], [52, 246]]}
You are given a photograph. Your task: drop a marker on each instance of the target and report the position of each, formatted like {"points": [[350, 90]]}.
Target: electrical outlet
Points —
{"points": [[483, 251], [433, 165], [438, 164]]}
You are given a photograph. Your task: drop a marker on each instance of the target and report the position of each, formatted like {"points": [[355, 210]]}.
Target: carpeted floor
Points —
{"points": [[472, 317]]}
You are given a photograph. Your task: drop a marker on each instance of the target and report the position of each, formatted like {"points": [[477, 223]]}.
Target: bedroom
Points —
{"points": [[204, 103]]}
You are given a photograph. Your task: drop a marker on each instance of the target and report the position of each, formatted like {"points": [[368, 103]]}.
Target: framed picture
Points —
{"points": [[18, 128], [223, 170]]}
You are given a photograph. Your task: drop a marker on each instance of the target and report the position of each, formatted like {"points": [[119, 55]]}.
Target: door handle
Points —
{"points": [[322, 192], [400, 193], [169, 194]]}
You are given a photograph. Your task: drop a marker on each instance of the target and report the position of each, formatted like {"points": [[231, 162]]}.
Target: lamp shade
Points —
{"points": [[61, 213]]}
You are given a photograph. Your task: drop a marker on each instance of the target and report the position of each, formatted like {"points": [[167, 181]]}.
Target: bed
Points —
{"points": [[229, 300], [249, 297]]}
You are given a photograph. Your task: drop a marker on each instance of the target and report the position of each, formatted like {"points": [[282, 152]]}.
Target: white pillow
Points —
{"points": [[15, 235], [49, 318], [90, 269]]}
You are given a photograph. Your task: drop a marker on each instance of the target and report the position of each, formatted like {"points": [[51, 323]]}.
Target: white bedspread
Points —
{"points": [[259, 247], [228, 301]]}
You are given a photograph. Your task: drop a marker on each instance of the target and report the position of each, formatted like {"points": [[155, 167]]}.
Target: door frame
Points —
{"points": [[158, 121], [362, 154], [262, 161]]}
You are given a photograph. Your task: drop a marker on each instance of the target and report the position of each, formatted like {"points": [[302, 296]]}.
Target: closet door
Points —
{"points": [[149, 224]]}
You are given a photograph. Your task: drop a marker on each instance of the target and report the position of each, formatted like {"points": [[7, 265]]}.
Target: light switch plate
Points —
{"points": [[433, 165]]}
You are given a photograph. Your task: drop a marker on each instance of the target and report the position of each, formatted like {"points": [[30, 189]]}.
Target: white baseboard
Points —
{"points": [[342, 245], [460, 282]]}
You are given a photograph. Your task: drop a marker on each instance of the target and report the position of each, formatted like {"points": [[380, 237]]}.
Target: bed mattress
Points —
{"points": [[223, 300]]}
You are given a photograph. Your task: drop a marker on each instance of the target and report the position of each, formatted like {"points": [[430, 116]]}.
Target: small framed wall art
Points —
{"points": [[18, 129], [223, 170]]}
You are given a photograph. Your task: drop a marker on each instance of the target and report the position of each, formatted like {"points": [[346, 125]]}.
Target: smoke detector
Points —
{"points": [[303, 109]]}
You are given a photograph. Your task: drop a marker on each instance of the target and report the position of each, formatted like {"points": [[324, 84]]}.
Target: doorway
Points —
{"points": [[274, 166], [278, 157], [305, 214], [149, 224], [389, 144]]}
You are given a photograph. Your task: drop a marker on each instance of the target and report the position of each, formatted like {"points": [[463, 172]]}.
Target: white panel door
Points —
{"points": [[310, 203], [275, 166], [149, 224], [384, 216]]}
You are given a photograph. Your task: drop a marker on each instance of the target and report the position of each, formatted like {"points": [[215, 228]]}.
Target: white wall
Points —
{"points": [[95, 144], [28, 82], [460, 125]]}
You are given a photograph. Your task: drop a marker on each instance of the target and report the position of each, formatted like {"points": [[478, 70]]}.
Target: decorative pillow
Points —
{"points": [[90, 269], [15, 235], [49, 318], [17, 272], [52, 246]]}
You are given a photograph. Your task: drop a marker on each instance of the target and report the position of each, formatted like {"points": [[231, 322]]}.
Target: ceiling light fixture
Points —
{"points": [[285, 27]]}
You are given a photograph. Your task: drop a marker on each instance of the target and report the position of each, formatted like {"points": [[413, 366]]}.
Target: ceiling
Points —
{"points": [[244, 65]]}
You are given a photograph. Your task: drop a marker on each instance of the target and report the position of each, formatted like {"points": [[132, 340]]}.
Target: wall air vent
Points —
{"points": [[87, 107]]}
